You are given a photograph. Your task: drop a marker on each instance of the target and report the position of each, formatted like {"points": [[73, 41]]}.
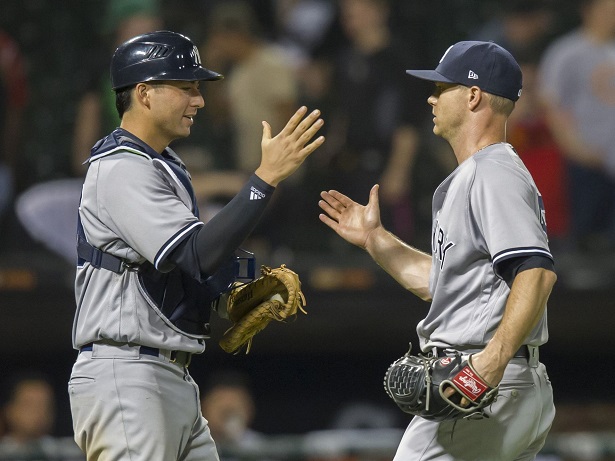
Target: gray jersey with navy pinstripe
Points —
{"points": [[134, 207], [488, 210]]}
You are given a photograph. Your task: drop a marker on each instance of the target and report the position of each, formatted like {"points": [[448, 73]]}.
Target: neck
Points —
{"points": [[149, 135], [476, 138]]}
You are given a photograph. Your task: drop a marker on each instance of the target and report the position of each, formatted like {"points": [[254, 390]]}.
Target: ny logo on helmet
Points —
{"points": [[195, 55]]}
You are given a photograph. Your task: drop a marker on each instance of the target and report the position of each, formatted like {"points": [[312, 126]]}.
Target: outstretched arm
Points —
{"points": [[361, 226]]}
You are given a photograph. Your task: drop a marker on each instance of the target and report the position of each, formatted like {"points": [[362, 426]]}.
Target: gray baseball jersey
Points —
{"points": [[487, 211], [133, 207]]}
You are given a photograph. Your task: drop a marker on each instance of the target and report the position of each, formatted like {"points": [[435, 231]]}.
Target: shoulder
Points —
{"points": [[126, 170], [123, 160], [500, 167]]}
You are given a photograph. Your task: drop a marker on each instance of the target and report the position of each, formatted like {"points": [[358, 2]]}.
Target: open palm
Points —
{"points": [[352, 221]]}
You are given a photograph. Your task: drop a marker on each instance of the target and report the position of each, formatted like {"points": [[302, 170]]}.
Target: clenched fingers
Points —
{"points": [[449, 392]]}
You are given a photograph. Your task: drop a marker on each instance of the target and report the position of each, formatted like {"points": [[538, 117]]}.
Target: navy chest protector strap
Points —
{"points": [[182, 300]]}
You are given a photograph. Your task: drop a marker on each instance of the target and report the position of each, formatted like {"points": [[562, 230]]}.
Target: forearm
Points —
{"points": [[203, 252], [525, 307], [409, 266], [223, 234]]}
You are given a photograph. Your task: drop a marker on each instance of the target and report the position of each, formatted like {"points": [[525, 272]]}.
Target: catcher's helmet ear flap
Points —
{"points": [[160, 55]]}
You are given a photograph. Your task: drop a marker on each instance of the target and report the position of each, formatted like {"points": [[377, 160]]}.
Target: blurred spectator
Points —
{"points": [[260, 80], [521, 26], [48, 210], [368, 415], [374, 133], [260, 84], [228, 406], [528, 131], [96, 114], [577, 82], [28, 411], [303, 25], [13, 99]]}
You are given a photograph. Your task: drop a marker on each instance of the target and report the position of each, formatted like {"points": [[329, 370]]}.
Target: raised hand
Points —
{"points": [[284, 154], [352, 221]]}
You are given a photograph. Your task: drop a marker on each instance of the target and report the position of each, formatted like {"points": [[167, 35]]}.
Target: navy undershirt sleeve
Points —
{"points": [[205, 249], [509, 268]]}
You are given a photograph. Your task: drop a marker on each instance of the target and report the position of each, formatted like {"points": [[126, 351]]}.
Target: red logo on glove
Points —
{"points": [[470, 384]]}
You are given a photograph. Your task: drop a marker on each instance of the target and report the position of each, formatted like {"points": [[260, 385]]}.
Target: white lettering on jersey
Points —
{"points": [[440, 245]]}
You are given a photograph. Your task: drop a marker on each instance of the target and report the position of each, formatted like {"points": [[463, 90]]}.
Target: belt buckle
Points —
{"points": [[175, 358], [130, 266]]}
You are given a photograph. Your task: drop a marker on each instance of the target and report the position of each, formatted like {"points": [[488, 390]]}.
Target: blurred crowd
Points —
{"points": [[345, 57], [29, 401]]}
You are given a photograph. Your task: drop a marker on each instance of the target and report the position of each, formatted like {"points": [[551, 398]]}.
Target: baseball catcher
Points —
{"points": [[418, 385], [275, 295]]}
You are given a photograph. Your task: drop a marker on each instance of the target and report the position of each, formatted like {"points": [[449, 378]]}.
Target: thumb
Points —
{"points": [[373, 206], [266, 131], [373, 195]]}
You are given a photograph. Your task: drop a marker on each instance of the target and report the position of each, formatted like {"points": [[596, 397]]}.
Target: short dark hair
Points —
{"points": [[500, 104], [123, 100]]}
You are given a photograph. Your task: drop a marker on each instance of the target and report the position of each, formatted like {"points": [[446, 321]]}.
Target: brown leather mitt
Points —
{"points": [[275, 295]]}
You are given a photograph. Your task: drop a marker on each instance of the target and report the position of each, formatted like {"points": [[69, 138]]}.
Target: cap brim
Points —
{"points": [[430, 75]]}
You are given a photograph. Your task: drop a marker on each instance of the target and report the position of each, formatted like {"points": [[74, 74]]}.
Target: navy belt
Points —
{"points": [[523, 351], [181, 358]]}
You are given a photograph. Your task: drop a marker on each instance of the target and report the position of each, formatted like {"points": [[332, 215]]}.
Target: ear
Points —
{"points": [[475, 96], [142, 94]]}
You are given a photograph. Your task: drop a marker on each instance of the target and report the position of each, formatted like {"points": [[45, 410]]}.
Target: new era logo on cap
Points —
{"points": [[473, 63]]}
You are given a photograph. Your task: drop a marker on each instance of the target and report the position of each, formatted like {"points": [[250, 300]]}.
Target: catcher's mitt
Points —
{"points": [[417, 384], [275, 295]]}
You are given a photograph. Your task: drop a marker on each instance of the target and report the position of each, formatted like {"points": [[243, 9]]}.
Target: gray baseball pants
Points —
{"points": [[127, 406], [518, 424]]}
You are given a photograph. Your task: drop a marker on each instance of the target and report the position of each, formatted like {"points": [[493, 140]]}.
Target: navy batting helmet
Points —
{"points": [[161, 55]]}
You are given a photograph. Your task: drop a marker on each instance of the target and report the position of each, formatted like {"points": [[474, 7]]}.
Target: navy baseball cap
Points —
{"points": [[483, 64]]}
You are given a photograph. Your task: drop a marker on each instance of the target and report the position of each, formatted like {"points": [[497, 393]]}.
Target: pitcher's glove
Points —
{"points": [[275, 295], [417, 384]]}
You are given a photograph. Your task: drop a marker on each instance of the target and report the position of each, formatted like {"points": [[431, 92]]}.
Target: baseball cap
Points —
{"points": [[483, 64]]}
